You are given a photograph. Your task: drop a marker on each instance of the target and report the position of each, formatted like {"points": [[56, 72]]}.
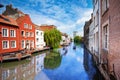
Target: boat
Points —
{"points": [[63, 48], [74, 47]]}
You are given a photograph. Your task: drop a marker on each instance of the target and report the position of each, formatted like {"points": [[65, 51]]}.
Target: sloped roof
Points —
{"points": [[7, 20], [46, 27]]}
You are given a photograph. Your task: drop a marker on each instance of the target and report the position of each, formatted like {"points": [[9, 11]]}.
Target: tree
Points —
{"points": [[77, 39], [52, 38]]}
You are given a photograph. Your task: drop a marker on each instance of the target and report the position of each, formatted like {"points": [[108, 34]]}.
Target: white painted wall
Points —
{"points": [[39, 37], [95, 30]]}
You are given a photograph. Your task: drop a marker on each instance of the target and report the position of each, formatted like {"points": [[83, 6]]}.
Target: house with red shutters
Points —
{"points": [[9, 32], [26, 32]]}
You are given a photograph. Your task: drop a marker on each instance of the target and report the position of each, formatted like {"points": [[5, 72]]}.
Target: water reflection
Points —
{"points": [[39, 59], [27, 69], [17, 71], [22, 70], [88, 64], [52, 60], [70, 64]]}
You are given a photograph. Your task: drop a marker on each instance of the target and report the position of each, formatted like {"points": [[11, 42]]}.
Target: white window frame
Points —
{"points": [[14, 34], [11, 44], [32, 34], [106, 24], [105, 6], [25, 25], [27, 34], [30, 26], [22, 44], [32, 43], [7, 44], [37, 39], [37, 33], [23, 34], [3, 33]]}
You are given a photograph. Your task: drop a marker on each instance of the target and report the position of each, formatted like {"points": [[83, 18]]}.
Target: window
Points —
{"points": [[105, 5], [13, 44], [32, 43], [37, 39], [25, 25], [41, 33], [37, 33], [97, 17], [105, 36], [30, 27], [5, 32], [23, 44], [27, 34], [12, 33], [22, 33], [5, 44], [32, 35], [27, 44]]}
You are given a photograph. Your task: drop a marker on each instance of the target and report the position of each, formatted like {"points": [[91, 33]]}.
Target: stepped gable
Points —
{"points": [[12, 12]]}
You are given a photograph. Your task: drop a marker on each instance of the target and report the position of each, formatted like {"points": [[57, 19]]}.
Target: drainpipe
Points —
{"points": [[99, 29]]}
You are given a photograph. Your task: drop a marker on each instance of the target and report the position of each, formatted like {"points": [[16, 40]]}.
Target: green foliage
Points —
{"points": [[52, 38], [52, 60], [77, 39]]}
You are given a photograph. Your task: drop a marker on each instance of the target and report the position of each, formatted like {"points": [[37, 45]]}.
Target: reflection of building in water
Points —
{"points": [[39, 62], [19, 72], [23, 70]]}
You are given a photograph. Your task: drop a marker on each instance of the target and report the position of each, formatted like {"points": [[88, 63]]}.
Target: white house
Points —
{"points": [[39, 35], [91, 34], [65, 39], [96, 26]]}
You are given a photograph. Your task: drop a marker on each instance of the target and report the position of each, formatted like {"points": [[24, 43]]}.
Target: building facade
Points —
{"points": [[91, 35], [86, 33], [96, 27], [39, 38], [66, 40], [110, 33], [26, 32], [9, 39], [106, 32]]}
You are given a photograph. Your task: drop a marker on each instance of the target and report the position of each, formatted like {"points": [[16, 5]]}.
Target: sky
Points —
{"points": [[67, 15]]}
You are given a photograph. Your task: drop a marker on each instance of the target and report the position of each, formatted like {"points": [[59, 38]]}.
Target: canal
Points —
{"points": [[70, 64]]}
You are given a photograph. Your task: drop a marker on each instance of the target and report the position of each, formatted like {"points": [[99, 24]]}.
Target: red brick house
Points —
{"points": [[110, 36], [8, 35], [26, 32]]}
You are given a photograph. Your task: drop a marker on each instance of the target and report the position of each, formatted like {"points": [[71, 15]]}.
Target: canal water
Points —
{"points": [[71, 64]]}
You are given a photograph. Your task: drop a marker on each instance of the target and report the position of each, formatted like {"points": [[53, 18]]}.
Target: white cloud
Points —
{"points": [[56, 15]]}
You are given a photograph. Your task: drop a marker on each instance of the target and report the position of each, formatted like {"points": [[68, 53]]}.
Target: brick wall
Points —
{"points": [[8, 38]]}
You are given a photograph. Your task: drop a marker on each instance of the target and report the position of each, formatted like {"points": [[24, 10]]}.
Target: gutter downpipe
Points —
{"points": [[99, 29]]}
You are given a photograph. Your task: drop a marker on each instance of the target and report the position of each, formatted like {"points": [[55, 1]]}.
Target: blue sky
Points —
{"points": [[67, 15]]}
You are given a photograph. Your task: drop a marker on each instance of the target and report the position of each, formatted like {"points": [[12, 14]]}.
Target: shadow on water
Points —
{"points": [[90, 66]]}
